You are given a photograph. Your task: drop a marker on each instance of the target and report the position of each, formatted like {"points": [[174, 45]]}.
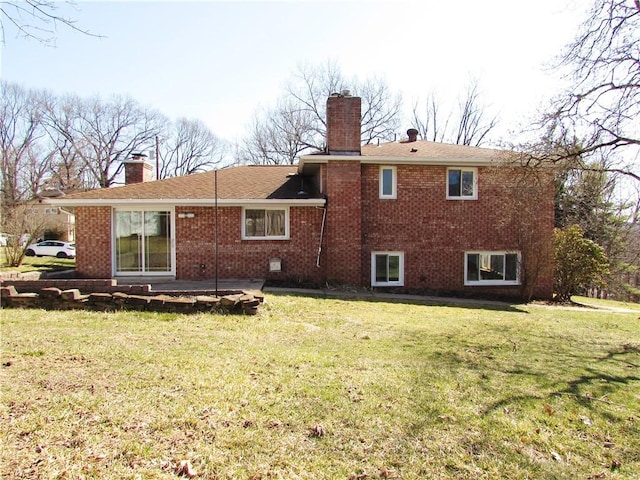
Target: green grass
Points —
{"points": [[605, 303], [322, 389], [38, 264]]}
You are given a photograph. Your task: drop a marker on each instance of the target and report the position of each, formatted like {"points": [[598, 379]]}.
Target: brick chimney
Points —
{"points": [[343, 124], [137, 170]]}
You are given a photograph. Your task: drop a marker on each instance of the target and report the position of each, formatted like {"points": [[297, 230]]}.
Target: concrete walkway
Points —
{"points": [[195, 287]]}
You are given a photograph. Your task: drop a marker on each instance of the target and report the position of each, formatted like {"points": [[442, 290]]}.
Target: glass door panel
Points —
{"points": [[157, 241], [128, 244], [143, 242]]}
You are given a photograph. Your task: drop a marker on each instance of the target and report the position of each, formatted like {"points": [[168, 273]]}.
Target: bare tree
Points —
{"points": [[36, 19], [297, 124], [381, 113], [529, 192], [278, 135], [191, 147], [428, 120], [600, 110], [22, 223], [105, 133], [471, 123], [68, 171], [21, 128]]}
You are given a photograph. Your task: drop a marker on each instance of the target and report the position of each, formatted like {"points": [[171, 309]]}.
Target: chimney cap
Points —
{"points": [[138, 155], [343, 93], [412, 133]]}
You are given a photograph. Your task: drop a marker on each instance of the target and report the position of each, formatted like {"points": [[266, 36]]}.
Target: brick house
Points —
{"points": [[405, 216]]}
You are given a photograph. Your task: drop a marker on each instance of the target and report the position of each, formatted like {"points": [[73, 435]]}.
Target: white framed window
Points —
{"points": [[462, 183], [491, 268], [265, 223], [387, 269], [388, 182]]}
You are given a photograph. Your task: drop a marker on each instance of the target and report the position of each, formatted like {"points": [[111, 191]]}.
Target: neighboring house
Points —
{"points": [[59, 223], [406, 216]]}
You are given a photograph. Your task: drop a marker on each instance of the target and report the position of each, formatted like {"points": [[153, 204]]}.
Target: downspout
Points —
{"points": [[324, 219]]}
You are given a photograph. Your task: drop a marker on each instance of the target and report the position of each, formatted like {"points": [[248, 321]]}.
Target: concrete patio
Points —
{"points": [[195, 287]]}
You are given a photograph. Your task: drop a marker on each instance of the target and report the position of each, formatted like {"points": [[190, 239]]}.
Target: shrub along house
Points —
{"points": [[408, 216]]}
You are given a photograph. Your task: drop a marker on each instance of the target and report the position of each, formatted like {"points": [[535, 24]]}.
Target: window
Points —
{"points": [[492, 268], [265, 223], [462, 184], [388, 182], [387, 269]]}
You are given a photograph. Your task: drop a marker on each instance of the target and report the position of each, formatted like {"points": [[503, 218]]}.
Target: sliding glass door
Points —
{"points": [[143, 242]]}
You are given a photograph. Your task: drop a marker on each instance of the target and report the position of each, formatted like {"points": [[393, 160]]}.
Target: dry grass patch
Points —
{"points": [[321, 389]]}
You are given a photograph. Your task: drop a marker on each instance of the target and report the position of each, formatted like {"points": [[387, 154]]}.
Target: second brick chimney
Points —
{"points": [[343, 124], [137, 170]]}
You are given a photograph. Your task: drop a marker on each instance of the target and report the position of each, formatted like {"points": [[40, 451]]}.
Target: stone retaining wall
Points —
{"points": [[54, 298], [86, 285]]}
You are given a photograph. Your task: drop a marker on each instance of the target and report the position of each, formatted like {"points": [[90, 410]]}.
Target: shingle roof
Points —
{"points": [[253, 182], [423, 149]]}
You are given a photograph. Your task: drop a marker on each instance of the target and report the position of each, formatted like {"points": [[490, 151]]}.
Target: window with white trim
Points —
{"points": [[492, 268], [265, 223], [462, 183], [388, 182], [387, 269]]}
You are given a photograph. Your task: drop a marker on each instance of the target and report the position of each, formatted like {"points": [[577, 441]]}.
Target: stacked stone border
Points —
{"points": [[54, 298]]}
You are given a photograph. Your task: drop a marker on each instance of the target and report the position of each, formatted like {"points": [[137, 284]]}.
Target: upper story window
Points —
{"points": [[388, 182], [492, 268], [265, 224], [462, 183]]}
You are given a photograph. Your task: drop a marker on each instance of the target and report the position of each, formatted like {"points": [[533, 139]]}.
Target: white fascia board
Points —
{"points": [[195, 202]]}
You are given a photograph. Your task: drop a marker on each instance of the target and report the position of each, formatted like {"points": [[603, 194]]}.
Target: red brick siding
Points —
{"points": [[136, 171], [343, 124], [434, 232], [195, 246], [343, 229], [93, 242]]}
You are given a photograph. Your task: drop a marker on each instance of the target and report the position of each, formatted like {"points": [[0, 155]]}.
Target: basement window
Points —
{"points": [[387, 269], [492, 268]]}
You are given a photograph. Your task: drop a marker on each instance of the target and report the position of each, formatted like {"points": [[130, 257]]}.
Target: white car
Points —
{"points": [[52, 248]]}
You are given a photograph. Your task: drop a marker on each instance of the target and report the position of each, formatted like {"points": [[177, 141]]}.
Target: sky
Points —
{"points": [[220, 61]]}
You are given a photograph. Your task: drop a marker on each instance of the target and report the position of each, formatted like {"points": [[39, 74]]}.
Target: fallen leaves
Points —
{"points": [[586, 420], [597, 475], [316, 431], [384, 472], [184, 469]]}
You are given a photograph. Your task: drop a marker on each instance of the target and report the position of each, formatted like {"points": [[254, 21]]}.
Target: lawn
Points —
{"points": [[37, 264], [322, 389]]}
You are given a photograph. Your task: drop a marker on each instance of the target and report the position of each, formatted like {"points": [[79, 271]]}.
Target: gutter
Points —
{"points": [[203, 202]]}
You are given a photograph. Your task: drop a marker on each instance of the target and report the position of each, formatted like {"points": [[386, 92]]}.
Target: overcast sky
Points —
{"points": [[220, 61]]}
